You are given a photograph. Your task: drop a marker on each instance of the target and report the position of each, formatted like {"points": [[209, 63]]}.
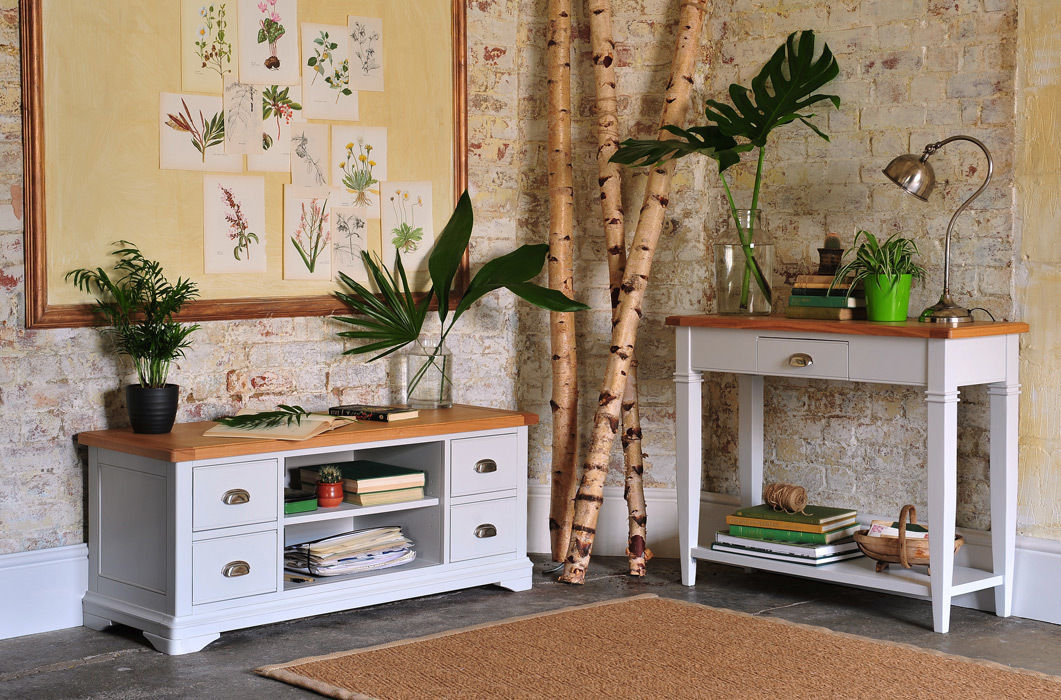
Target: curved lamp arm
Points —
{"points": [[929, 150]]}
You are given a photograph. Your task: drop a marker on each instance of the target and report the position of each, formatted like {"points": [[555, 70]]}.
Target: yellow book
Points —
{"points": [[786, 525], [379, 498]]}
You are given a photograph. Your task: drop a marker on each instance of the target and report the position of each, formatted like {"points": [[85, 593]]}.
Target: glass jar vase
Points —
{"points": [[744, 266], [429, 376]]}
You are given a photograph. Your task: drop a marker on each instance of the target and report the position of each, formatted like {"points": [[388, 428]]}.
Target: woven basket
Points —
{"points": [[899, 550]]}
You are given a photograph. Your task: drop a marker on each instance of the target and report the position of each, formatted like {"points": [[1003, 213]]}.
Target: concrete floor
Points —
{"points": [[118, 663]]}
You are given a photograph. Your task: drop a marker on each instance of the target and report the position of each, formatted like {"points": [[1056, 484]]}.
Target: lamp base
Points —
{"points": [[946, 311]]}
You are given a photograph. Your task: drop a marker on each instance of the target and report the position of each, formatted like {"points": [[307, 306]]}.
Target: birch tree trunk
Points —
{"points": [[610, 178], [632, 293], [564, 400]]}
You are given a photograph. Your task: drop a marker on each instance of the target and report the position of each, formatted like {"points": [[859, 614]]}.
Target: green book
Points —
{"points": [[365, 476], [765, 533], [815, 515], [826, 302]]}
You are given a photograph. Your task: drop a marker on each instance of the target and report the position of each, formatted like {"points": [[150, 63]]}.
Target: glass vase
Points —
{"points": [[744, 266], [429, 376]]}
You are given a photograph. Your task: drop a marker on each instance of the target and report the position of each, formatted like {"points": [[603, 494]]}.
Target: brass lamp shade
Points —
{"points": [[915, 176]]}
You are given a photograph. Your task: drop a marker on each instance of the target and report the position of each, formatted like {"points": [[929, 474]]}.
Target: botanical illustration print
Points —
{"points": [[234, 224], [406, 211], [268, 41], [192, 134], [326, 88], [366, 53], [308, 244], [281, 105], [354, 229], [242, 122], [360, 154], [208, 44], [309, 155]]}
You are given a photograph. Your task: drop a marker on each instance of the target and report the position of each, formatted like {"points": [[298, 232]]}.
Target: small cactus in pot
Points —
{"points": [[330, 487]]}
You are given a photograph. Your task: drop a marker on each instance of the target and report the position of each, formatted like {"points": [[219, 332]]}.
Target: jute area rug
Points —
{"points": [[649, 647]]}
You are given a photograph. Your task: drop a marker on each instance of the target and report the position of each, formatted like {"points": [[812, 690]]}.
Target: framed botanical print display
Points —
{"points": [[255, 146]]}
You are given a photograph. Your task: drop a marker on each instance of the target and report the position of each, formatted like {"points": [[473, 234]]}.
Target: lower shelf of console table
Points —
{"points": [[172, 554]]}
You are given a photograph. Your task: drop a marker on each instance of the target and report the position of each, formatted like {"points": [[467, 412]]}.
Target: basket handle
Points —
{"points": [[908, 510]]}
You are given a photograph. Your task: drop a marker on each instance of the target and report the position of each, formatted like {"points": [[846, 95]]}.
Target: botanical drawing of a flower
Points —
{"points": [[237, 224], [312, 235], [212, 47], [357, 171], [406, 235], [270, 30], [276, 102], [206, 134], [364, 47]]}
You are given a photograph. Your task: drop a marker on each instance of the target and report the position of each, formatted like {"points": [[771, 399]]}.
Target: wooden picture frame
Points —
{"points": [[41, 313]]}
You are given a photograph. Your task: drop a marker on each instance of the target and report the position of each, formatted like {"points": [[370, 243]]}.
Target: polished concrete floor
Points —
{"points": [[118, 663]]}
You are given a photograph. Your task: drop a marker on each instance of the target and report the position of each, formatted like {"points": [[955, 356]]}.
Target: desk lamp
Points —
{"points": [[915, 176]]}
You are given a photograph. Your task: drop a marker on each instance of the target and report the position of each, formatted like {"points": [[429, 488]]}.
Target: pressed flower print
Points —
{"points": [[407, 222], [360, 162], [309, 155], [208, 44], [234, 224], [243, 103], [192, 134], [366, 53], [268, 37], [307, 234], [354, 229], [326, 89], [281, 106]]}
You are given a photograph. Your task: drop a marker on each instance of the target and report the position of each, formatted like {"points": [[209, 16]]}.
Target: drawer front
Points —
{"points": [[795, 357], [483, 529], [224, 495], [234, 567], [483, 464]]}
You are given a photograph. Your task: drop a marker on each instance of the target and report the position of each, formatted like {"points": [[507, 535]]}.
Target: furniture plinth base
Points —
{"points": [[184, 645]]}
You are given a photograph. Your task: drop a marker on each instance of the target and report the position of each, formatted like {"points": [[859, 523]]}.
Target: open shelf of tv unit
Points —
{"points": [[350, 510]]}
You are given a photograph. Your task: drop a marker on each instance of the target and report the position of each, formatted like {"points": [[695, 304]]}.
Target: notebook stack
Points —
{"points": [[368, 483], [351, 552], [819, 535], [811, 298]]}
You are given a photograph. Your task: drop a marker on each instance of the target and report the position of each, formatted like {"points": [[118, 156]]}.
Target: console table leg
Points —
{"points": [[688, 431], [942, 497], [750, 438], [1004, 405]]}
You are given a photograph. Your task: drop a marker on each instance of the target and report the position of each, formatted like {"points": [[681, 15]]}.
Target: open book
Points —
{"points": [[311, 426]]}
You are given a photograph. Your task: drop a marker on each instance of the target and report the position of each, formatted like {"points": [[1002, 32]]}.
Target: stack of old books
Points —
{"points": [[351, 552], [811, 298], [368, 483], [817, 535]]}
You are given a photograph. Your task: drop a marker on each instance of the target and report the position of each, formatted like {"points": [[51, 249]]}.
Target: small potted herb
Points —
{"points": [[886, 271], [139, 306], [329, 487]]}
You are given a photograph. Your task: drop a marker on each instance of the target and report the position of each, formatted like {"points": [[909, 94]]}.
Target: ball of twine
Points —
{"points": [[787, 497]]}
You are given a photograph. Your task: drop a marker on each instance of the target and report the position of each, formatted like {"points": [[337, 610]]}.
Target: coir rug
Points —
{"points": [[649, 647]]}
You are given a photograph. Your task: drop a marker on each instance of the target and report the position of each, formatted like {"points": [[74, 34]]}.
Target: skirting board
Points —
{"points": [[42, 590], [1038, 562]]}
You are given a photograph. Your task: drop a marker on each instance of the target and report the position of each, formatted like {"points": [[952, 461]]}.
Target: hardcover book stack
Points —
{"points": [[351, 552], [368, 483], [811, 298], [818, 535]]}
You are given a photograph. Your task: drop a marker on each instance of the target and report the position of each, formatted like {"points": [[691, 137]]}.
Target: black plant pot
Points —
{"points": [[152, 409]]}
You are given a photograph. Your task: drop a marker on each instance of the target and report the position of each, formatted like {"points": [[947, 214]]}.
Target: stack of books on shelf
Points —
{"points": [[368, 483], [811, 298], [351, 552], [819, 535]]}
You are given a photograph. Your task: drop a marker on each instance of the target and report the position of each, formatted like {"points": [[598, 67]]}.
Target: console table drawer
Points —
{"points": [[233, 567], [483, 529], [483, 464], [224, 495], [796, 357]]}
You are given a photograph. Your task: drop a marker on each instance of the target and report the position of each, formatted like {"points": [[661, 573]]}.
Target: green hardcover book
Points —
{"points": [[364, 476], [793, 536], [811, 515], [826, 301], [296, 501]]}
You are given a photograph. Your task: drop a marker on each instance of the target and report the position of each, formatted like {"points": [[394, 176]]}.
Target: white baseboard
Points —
{"points": [[1038, 562], [42, 590]]}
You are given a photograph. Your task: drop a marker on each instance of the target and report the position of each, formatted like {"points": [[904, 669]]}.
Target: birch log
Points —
{"points": [[564, 401], [632, 292], [610, 179]]}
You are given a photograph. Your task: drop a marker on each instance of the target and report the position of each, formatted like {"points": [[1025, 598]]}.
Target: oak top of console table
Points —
{"points": [[911, 328], [186, 441]]}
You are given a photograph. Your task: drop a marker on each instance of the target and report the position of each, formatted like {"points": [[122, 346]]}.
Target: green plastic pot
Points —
{"points": [[885, 300]]}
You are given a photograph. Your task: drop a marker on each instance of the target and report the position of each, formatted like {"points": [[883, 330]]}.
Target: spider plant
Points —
{"points": [[784, 87], [891, 259], [395, 317]]}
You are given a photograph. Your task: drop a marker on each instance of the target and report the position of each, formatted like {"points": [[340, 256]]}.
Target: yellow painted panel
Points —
{"points": [[105, 65]]}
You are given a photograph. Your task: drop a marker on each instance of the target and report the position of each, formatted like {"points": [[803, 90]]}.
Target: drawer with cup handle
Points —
{"points": [[233, 567], [483, 529], [225, 495], [801, 357], [484, 464]]}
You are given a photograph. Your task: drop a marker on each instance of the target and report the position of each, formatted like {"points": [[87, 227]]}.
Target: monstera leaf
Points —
{"points": [[785, 86], [706, 140]]}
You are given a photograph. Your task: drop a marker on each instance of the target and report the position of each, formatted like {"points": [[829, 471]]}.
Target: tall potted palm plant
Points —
{"points": [[779, 94], [138, 304]]}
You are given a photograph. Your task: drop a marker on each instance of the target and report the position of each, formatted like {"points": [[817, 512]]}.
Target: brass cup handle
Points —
{"points": [[485, 530], [234, 497], [235, 568], [485, 466], [800, 359]]}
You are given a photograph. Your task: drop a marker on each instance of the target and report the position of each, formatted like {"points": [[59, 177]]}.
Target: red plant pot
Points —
{"points": [[329, 495]]}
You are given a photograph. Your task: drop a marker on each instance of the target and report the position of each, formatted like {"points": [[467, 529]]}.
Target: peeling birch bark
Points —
{"points": [[610, 179], [631, 295], [564, 401]]}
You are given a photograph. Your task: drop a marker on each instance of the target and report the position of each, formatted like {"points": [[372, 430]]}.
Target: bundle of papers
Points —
{"points": [[351, 552]]}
